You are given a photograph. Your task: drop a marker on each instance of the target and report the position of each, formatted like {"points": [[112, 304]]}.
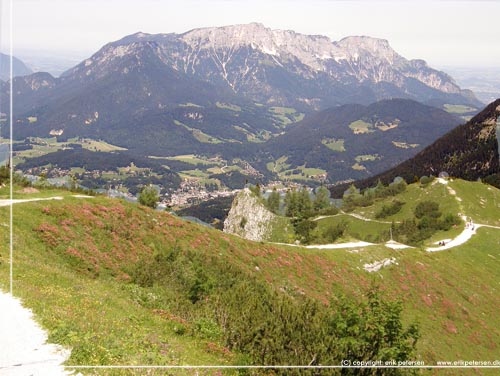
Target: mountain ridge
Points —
{"points": [[469, 151], [383, 133], [19, 68], [257, 61]]}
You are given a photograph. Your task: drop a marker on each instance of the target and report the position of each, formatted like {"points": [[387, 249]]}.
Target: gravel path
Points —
{"points": [[24, 350], [464, 236], [340, 245], [23, 347], [7, 202], [354, 215]]}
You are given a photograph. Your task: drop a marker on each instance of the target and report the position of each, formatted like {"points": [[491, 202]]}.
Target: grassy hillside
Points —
{"points": [[122, 284], [371, 228], [450, 293]]}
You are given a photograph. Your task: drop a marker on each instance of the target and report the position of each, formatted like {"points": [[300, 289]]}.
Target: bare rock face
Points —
{"points": [[248, 217]]}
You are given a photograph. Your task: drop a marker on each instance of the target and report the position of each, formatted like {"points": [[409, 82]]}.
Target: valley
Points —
{"points": [[324, 148]]}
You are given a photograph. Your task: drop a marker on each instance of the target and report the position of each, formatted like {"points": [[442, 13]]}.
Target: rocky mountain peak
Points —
{"points": [[111, 58], [227, 36], [356, 46], [306, 48]]}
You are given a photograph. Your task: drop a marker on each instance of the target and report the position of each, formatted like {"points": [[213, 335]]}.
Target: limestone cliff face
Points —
{"points": [[249, 218]]}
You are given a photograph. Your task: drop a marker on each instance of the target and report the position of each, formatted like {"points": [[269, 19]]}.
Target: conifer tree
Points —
{"points": [[322, 198], [273, 201], [304, 202], [291, 204]]}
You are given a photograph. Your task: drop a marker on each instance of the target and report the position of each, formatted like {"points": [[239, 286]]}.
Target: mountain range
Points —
{"points": [[285, 68], [235, 92], [273, 67]]}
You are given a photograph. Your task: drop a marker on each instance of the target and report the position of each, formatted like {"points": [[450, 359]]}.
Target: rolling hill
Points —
{"points": [[354, 141]]}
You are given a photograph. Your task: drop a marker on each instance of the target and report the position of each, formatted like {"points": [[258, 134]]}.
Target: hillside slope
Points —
{"points": [[87, 266], [470, 151], [18, 67], [355, 141]]}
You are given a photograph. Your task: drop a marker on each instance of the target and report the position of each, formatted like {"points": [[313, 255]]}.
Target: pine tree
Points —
{"points": [[322, 198], [304, 202], [291, 203], [4, 174], [273, 201]]}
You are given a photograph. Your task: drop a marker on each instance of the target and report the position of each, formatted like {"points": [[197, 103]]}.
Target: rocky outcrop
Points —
{"points": [[249, 218]]}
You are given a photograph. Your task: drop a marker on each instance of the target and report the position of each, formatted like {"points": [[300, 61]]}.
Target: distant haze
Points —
{"points": [[452, 33]]}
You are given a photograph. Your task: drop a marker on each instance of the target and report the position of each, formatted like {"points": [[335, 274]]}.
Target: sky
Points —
{"points": [[442, 32]]}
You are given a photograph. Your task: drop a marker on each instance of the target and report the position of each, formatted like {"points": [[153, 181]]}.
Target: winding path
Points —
{"points": [[461, 238], [354, 215]]}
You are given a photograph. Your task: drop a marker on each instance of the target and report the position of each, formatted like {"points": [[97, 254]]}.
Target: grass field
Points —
{"points": [[367, 157], [191, 159], [334, 144], [361, 126], [302, 173], [404, 145], [189, 104], [199, 135], [43, 146], [286, 115], [386, 127], [228, 106], [94, 145], [358, 167], [278, 165], [458, 108]]}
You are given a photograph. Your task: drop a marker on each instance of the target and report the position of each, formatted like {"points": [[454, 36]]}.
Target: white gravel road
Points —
{"points": [[340, 245], [23, 347], [464, 236], [7, 202]]}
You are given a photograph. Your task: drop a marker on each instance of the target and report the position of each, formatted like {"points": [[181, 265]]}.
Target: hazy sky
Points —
{"points": [[446, 32]]}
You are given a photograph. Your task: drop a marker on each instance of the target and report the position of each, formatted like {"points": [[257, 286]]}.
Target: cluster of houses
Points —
{"points": [[192, 192]]}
